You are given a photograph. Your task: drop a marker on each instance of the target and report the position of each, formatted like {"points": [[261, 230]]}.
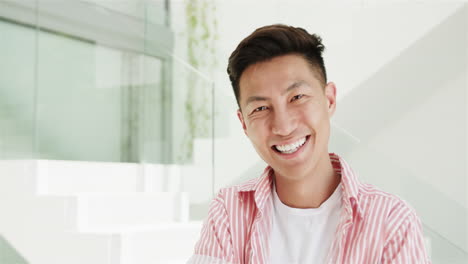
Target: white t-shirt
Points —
{"points": [[303, 235]]}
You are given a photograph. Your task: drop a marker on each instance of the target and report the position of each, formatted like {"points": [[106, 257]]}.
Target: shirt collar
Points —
{"points": [[262, 186], [350, 185]]}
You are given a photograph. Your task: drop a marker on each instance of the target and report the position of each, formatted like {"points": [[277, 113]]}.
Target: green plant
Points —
{"points": [[201, 36]]}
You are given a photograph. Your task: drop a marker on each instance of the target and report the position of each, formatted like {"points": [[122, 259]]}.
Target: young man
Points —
{"points": [[308, 206]]}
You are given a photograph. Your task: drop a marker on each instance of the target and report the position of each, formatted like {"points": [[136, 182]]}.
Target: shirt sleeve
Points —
{"points": [[215, 243], [405, 243]]}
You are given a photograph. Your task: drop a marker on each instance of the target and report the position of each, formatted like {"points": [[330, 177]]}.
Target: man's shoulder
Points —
{"points": [[243, 195], [249, 186], [244, 187], [395, 206]]}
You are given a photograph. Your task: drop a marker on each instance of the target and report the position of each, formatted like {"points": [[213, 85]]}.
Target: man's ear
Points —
{"points": [[241, 119], [330, 93]]}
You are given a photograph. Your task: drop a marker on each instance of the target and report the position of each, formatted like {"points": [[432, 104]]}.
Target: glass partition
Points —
{"points": [[192, 138], [17, 90], [86, 80], [91, 100], [98, 81]]}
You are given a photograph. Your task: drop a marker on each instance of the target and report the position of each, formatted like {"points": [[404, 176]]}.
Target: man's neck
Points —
{"points": [[311, 190]]}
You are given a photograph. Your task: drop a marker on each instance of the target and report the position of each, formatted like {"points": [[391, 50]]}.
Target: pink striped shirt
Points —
{"points": [[374, 227]]}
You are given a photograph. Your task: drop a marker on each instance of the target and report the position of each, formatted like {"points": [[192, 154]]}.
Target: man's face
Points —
{"points": [[286, 113]]}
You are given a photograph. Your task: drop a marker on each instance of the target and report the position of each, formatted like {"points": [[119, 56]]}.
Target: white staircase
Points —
{"points": [[66, 212]]}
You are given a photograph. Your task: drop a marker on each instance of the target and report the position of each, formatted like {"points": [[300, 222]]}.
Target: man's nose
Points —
{"points": [[284, 123]]}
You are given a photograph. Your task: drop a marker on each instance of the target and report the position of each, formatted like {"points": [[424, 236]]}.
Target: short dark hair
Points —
{"points": [[271, 41]]}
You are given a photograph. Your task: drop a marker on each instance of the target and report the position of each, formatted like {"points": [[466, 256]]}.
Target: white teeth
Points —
{"points": [[291, 148]]}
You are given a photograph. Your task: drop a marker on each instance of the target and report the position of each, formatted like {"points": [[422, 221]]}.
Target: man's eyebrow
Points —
{"points": [[293, 86], [256, 98]]}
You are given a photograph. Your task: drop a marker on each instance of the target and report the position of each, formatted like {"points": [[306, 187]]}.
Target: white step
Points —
{"points": [[170, 244], [163, 243], [162, 178], [64, 178], [35, 227], [39, 226], [92, 211], [58, 177]]}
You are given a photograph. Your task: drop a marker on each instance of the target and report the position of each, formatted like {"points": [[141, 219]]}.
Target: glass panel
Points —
{"points": [[70, 98], [96, 102], [152, 143], [8, 254], [152, 11], [17, 85], [156, 12], [93, 100], [192, 138]]}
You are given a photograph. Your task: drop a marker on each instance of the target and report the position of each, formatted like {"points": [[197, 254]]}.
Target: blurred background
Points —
{"points": [[118, 124]]}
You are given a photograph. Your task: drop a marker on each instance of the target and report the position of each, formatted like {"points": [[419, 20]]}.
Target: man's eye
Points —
{"points": [[261, 108], [296, 97]]}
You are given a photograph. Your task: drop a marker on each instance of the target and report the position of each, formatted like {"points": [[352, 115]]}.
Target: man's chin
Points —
{"points": [[291, 171]]}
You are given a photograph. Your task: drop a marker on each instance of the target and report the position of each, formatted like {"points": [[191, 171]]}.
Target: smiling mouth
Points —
{"points": [[290, 148]]}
